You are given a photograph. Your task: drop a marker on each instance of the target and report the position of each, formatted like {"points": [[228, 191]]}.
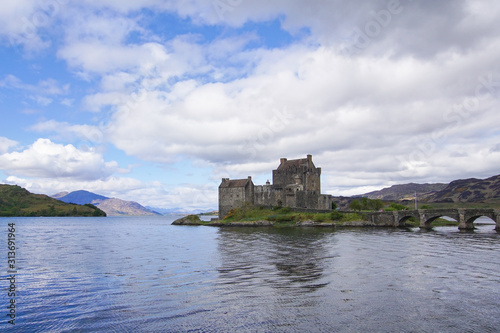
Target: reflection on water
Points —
{"points": [[142, 274]]}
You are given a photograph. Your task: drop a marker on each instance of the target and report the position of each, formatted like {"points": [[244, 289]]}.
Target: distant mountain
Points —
{"points": [[117, 207], [183, 211], [469, 190], [404, 191], [461, 190], [169, 211], [59, 195], [81, 197], [17, 201], [112, 206]]}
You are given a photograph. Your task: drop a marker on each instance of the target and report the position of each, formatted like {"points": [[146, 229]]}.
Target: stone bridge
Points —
{"points": [[464, 216]]}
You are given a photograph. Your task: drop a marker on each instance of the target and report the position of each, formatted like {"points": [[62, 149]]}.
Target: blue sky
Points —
{"points": [[155, 101]]}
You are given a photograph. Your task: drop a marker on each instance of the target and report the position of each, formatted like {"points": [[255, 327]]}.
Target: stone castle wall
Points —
{"points": [[296, 184]]}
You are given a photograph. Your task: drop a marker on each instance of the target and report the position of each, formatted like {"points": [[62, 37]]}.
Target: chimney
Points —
{"points": [[282, 160]]}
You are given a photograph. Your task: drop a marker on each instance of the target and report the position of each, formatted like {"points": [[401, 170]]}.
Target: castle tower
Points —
{"points": [[234, 193], [289, 170]]}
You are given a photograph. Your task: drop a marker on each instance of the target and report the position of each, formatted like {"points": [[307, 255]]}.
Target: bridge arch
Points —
{"points": [[473, 214], [404, 215], [427, 216]]}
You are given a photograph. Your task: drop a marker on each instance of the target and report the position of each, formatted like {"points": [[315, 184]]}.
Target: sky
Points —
{"points": [[155, 101]]}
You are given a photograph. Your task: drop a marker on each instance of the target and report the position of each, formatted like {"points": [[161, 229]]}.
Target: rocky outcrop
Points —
{"points": [[188, 220]]}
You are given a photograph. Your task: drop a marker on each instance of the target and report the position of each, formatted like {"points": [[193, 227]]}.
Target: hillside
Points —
{"points": [[112, 206], [404, 191], [17, 201], [469, 190], [461, 191], [117, 207]]}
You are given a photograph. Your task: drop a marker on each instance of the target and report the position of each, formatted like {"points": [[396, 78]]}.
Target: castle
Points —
{"points": [[296, 184]]}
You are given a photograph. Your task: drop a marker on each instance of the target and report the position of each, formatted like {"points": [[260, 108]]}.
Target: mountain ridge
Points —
{"points": [[404, 191], [81, 197], [112, 206], [467, 190]]}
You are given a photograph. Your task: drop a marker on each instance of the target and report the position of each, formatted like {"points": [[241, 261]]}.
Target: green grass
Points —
{"points": [[286, 216]]}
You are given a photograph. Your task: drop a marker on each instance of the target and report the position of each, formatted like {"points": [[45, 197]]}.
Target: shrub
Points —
{"points": [[335, 216], [396, 206]]}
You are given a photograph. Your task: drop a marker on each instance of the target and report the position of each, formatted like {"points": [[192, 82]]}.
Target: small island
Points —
{"points": [[250, 215]]}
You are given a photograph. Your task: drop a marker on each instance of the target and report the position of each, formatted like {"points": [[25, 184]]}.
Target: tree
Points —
{"points": [[365, 203], [355, 205], [377, 204], [334, 205]]}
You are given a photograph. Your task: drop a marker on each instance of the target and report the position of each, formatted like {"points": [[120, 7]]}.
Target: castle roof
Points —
{"points": [[286, 164], [290, 163], [231, 183]]}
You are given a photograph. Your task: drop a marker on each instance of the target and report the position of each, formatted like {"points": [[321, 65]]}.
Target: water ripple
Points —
{"points": [[142, 274]]}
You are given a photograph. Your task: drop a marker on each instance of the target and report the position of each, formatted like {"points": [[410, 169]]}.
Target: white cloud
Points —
{"points": [[44, 87], [42, 92], [374, 118], [124, 6], [6, 145], [67, 102], [46, 159], [22, 22], [41, 100], [320, 89], [90, 134], [383, 26], [395, 109]]}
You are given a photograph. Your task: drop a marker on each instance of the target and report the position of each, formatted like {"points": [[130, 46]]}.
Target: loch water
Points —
{"points": [[141, 274]]}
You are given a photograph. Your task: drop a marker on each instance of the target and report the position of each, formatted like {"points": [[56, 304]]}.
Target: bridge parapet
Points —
{"points": [[464, 216]]}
